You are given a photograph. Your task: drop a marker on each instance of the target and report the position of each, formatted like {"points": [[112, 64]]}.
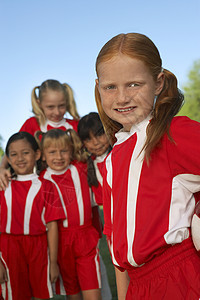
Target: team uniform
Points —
{"points": [[98, 198], [26, 206], [78, 254], [99, 166], [150, 208], [31, 125]]}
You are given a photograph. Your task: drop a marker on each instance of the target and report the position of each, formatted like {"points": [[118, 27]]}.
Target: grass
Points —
{"points": [[109, 266], [108, 263]]}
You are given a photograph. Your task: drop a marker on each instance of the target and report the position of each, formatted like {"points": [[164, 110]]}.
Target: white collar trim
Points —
{"points": [[53, 172], [122, 135], [26, 177]]}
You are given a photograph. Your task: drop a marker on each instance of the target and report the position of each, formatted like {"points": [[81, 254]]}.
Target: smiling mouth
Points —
{"points": [[125, 109], [21, 165], [58, 164]]}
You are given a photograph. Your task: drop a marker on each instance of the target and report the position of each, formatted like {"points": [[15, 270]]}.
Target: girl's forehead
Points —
{"points": [[56, 143], [52, 95], [96, 133], [22, 143], [121, 67]]}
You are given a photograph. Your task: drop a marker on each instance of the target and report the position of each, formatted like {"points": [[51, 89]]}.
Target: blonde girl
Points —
{"points": [[78, 254], [151, 175], [50, 102]]}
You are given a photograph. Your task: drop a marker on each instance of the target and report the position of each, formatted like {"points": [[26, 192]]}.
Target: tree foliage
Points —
{"points": [[1, 148], [191, 108]]}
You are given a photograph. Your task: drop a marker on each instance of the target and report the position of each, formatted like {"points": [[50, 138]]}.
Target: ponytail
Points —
{"points": [[168, 104], [41, 165], [71, 104], [38, 137], [36, 109], [77, 146], [91, 173]]}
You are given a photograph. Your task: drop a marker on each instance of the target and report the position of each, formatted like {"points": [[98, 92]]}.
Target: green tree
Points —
{"points": [[191, 108], [1, 149]]}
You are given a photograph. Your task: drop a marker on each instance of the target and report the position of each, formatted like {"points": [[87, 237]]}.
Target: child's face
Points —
{"points": [[22, 157], [97, 145], [127, 89], [57, 158], [53, 104]]}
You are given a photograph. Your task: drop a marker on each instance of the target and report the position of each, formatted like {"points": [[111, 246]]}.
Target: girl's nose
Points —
{"points": [[122, 97], [59, 155], [20, 157], [56, 111], [95, 140]]}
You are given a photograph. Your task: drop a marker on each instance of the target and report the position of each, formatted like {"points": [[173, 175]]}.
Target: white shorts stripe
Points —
{"points": [[7, 283]]}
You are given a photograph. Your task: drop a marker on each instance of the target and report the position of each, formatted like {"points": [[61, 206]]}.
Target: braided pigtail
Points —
{"points": [[91, 173]]}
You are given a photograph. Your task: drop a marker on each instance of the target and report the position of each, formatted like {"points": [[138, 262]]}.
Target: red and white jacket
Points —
{"points": [[75, 194], [28, 204], [31, 125], [147, 208], [99, 167]]}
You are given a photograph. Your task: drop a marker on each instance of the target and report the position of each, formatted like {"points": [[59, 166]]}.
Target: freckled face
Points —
{"points": [[127, 89]]}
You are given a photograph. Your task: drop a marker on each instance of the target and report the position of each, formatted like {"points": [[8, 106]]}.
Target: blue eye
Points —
{"points": [[133, 84], [110, 87]]}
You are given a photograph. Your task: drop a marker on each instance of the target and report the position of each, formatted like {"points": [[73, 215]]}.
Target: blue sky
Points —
{"points": [[60, 39]]}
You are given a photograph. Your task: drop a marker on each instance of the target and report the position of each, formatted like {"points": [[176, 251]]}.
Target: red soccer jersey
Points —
{"points": [[74, 192], [28, 204], [149, 207], [31, 125], [99, 166]]}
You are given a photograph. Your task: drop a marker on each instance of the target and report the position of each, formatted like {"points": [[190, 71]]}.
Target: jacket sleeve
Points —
{"points": [[184, 150], [107, 199]]}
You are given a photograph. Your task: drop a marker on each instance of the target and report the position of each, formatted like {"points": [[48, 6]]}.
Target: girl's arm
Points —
{"points": [[52, 237], [4, 173], [122, 280], [3, 273]]}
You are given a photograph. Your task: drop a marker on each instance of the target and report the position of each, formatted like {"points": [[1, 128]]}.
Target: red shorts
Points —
{"points": [[78, 259], [174, 275], [27, 265]]}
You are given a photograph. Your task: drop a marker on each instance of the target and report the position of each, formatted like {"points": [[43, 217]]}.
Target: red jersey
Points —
{"points": [[28, 204], [31, 125], [99, 166], [75, 194], [147, 208]]}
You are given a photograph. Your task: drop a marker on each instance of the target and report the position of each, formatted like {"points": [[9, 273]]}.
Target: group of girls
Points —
{"points": [[151, 179], [49, 205]]}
